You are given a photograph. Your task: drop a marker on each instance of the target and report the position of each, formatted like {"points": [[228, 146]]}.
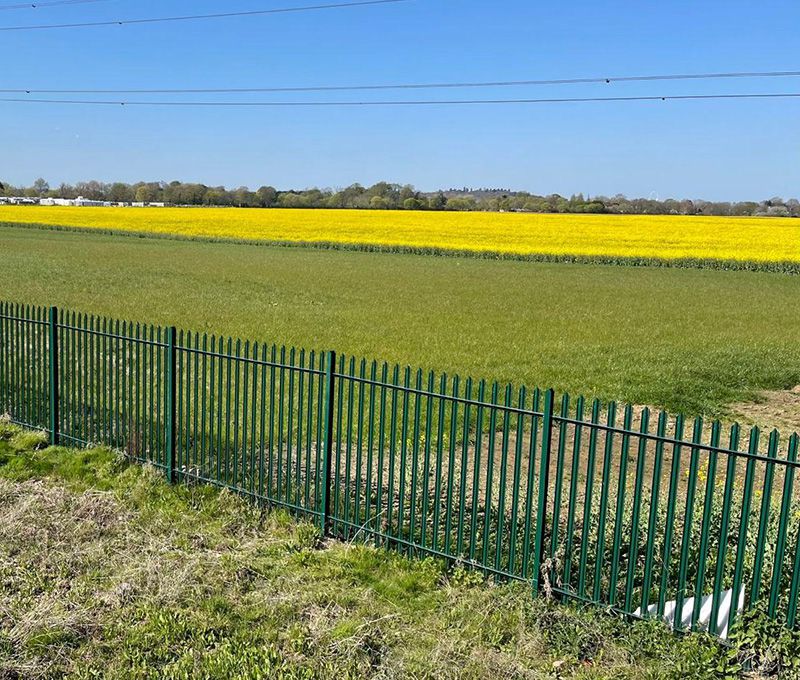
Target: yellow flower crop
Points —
{"points": [[665, 237]]}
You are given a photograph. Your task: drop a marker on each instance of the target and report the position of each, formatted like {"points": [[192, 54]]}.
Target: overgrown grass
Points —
{"points": [[105, 571], [692, 340]]}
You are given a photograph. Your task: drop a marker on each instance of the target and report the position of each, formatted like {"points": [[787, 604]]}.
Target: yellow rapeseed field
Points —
{"points": [[662, 236]]}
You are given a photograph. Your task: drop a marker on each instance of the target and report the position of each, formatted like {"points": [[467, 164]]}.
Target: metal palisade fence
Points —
{"points": [[639, 511]]}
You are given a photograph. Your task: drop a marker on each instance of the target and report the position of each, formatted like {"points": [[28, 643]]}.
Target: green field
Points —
{"points": [[686, 339]]}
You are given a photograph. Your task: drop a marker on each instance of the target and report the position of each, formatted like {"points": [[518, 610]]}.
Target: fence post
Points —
{"points": [[544, 485], [170, 405], [327, 440], [53, 374]]}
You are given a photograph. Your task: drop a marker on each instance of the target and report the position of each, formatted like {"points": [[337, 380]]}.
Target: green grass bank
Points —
{"points": [[108, 572]]}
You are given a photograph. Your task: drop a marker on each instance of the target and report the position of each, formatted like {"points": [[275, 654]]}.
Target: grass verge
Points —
{"points": [[106, 571]]}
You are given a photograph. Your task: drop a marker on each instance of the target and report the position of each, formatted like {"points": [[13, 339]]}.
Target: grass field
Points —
{"points": [[691, 339], [105, 571], [606, 237]]}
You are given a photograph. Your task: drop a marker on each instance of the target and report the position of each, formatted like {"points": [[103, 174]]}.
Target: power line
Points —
{"points": [[190, 17], [52, 3], [434, 102], [419, 86]]}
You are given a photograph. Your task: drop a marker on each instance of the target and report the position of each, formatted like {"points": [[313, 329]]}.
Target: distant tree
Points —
{"points": [[721, 208], [380, 203], [560, 204], [266, 196], [576, 202], [244, 198], [594, 207], [461, 203], [671, 206], [414, 204], [93, 190], [538, 205], [778, 211], [64, 191], [438, 201], [292, 199], [41, 187], [390, 196], [120, 193], [315, 198], [387, 192], [147, 193], [407, 192], [217, 196], [9, 190], [350, 197]]}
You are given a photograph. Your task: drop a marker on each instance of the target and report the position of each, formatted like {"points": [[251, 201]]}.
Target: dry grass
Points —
{"points": [[107, 572]]}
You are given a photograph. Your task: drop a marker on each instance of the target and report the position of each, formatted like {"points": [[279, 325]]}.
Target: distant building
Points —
{"points": [[85, 202], [80, 202], [19, 200], [57, 201]]}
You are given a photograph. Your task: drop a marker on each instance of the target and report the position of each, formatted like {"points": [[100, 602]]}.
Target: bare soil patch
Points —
{"points": [[778, 409]]}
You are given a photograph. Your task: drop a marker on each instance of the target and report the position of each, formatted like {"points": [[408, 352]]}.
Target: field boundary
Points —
{"points": [[648, 514], [780, 267]]}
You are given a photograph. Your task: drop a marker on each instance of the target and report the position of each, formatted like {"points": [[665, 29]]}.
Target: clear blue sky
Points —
{"points": [[713, 149]]}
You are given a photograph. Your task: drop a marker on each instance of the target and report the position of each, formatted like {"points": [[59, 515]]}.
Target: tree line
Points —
{"points": [[389, 196]]}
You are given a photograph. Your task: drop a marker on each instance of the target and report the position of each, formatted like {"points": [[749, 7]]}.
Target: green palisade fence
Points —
{"points": [[647, 513]]}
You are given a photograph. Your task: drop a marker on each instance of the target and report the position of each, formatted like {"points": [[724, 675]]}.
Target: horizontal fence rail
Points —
{"points": [[689, 522]]}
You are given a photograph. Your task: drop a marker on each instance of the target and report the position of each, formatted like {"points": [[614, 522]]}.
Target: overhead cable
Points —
{"points": [[388, 103], [192, 17], [413, 86]]}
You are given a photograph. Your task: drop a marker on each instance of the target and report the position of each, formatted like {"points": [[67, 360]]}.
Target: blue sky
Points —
{"points": [[713, 149]]}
